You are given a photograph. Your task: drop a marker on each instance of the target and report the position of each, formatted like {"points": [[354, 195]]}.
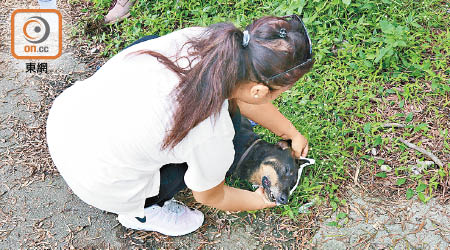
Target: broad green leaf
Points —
{"points": [[409, 117], [290, 213], [333, 205], [421, 187], [401, 181], [409, 193], [382, 53], [332, 224], [381, 174], [387, 27], [377, 141], [421, 197], [341, 216]]}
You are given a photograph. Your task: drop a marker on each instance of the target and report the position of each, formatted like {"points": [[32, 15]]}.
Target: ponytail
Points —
{"points": [[223, 59], [203, 89]]}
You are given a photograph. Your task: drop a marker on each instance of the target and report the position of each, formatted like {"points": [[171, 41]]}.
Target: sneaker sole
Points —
{"points": [[132, 225]]}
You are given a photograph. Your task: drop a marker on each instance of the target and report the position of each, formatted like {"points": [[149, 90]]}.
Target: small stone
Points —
{"points": [[374, 151], [377, 225], [94, 50], [305, 208], [424, 164], [421, 165], [385, 168], [415, 170]]}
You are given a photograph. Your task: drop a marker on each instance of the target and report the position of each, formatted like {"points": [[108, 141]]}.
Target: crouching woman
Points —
{"points": [[157, 117]]}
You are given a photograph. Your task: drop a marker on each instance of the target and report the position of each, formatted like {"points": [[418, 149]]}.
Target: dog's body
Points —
{"points": [[261, 163]]}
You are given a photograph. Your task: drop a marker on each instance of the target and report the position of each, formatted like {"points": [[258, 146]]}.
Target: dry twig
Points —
{"points": [[419, 228], [393, 125], [423, 151]]}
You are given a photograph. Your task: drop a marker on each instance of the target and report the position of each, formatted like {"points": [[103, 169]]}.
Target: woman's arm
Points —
{"points": [[228, 198], [268, 116]]}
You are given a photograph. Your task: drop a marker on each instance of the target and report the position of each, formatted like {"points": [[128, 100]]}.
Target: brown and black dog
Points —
{"points": [[264, 164]]}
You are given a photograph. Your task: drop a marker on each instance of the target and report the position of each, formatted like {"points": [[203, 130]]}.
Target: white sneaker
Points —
{"points": [[172, 219]]}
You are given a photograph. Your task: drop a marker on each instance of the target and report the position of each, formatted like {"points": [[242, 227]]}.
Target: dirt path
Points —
{"points": [[37, 207], [377, 223], [39, 210]]}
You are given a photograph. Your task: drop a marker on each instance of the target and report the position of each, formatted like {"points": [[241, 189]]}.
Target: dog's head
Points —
{"points": [[278, 173], [271, 166]]}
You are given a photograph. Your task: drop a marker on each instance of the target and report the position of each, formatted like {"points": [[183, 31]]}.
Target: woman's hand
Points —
{"points": [[268, 116], [267, 202], [227, 198], [299, 146]]}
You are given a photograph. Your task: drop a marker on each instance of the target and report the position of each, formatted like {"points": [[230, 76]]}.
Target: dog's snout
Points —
{"points": [[283, 199]]}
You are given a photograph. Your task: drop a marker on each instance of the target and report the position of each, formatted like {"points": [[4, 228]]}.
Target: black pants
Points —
{"points": [[172, 175], [171, 182]]}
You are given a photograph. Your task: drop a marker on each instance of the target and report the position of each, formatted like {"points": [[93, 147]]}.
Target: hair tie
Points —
{"points": [[282, 33], [245, 39]]}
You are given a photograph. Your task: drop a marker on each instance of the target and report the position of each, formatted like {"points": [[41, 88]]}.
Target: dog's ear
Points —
{"points": [[285, 144]]}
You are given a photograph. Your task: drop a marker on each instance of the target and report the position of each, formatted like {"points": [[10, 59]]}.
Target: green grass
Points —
{"points": [[376, 62]]}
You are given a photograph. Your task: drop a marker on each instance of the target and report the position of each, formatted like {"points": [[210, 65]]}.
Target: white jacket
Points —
{"points": [[104, 133]]}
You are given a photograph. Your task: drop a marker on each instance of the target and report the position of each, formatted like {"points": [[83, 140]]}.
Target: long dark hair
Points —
{"points": [[222, 62]]}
